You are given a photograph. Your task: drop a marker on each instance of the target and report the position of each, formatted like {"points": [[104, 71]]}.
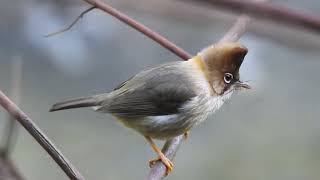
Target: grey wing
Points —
{"points": [[158, 91]]}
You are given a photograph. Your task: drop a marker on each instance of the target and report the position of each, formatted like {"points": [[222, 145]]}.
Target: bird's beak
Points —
{"points": [[242, 85]]}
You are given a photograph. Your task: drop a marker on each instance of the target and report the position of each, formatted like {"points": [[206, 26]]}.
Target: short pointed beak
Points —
{"points": [[242, 85]]}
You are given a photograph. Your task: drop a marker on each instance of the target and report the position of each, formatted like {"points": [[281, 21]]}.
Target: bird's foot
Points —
{"points": [[161, 156], [165, 161]]}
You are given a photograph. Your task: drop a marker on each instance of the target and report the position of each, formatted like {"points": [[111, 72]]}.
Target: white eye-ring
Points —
{"points": [[227, 78]]}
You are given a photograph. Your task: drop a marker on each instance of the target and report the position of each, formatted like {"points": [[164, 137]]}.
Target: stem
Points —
{"points": [[141, 28], [42, 139], [270, 11]]}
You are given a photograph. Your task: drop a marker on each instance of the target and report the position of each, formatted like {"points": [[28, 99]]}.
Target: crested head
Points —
{"points": [[222, 62]]}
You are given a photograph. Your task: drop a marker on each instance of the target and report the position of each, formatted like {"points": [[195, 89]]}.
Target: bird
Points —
{"points": [[167, 100]]}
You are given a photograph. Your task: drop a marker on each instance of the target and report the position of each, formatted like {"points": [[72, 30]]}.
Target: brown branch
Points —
{"points": [[140, 27], [267, 10], [237, 30], [42, 139], [72, 24]]}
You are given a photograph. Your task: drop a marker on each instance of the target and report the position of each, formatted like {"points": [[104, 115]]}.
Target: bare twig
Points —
{"points": [[267, 10], [10, 130], [140, 27], [72, 24], [42, 139], [237, 30], [131, 22]]}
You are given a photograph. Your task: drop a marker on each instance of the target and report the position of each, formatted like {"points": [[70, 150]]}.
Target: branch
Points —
{"points": [[42, 139], [237, 30], [270, 11], [131, 22], [140, 27], [72, 24]]}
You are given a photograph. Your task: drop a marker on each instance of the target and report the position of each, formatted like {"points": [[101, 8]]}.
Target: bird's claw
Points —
{"points": [[165, 161]]}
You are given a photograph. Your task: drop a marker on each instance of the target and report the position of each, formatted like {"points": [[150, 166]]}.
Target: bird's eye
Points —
{"points": [[227, 78]]}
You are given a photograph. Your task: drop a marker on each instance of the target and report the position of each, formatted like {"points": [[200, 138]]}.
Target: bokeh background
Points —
{"points": [[269, 132]]}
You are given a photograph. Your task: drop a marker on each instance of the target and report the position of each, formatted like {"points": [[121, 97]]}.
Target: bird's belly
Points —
{"points": [[161, 127], [169, 126]]}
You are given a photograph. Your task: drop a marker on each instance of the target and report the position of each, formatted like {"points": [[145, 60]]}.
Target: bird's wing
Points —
{"points": [[159, 91]]}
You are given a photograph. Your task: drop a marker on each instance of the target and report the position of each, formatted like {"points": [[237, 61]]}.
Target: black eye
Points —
{"points": [[227, 78]]}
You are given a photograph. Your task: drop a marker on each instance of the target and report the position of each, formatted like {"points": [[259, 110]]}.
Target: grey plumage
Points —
{"points": [[145, 94], [76, 103], [151, 94]]}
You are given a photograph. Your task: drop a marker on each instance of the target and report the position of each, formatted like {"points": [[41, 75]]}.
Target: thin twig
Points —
{"points": [[237, 30], [277, 13], [11, 129], [72, 24], [140, 27], [42, 139]]}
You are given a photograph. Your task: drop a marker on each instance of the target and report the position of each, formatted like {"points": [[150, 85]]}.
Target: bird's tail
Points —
{"points": [[77, 103]]}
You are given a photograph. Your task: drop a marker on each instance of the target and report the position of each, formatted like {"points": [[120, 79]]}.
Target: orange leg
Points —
{"points": [[161, 157]]}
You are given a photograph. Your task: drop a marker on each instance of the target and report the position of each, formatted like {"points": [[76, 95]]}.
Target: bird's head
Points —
{"points": [[222, 62]]}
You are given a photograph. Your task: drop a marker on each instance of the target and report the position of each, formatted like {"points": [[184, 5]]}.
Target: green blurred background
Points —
{"points": [[269, 132]]}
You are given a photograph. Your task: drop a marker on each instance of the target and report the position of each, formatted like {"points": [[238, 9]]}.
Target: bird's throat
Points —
{"points": [[201, 66]]}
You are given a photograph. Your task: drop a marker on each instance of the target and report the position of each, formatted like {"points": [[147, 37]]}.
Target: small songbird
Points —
{"points": [[169, 99]]}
